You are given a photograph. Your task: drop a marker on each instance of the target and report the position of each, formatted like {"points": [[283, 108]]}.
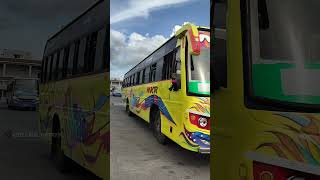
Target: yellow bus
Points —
{"points": [[266, 92], [74, 93], [170, 89]]}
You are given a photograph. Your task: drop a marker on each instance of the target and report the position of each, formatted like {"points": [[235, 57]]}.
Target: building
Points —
{"points": [[115, 84], [17, 68], [15, 54]]}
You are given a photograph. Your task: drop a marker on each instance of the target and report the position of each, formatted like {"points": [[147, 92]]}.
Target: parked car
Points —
{"points": [[116, 93]]}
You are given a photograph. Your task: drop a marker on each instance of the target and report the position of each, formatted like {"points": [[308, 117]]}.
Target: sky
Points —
{"points": [[138, 27], [27, 24]]}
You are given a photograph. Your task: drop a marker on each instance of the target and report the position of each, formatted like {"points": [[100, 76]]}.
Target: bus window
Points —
{"points": [[100, 63], [219, 57], [44, 67], [81, 57], [70, 60], [158, 71], [143, 76], [60, 67], [138, 77], [147, 75], [219, 50], [167, 66], [152, 74], [176, 62], [134, 79], [106, 50], [57, 65], [90, 52], [75, 57], [65, 62], [53, 67], [48, 69]]}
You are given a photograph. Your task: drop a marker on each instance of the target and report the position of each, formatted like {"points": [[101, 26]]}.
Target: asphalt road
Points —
{"points": [[136, 155], [24, 158]]}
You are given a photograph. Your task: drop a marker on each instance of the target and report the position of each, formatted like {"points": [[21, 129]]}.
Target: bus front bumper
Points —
{"points": [[204, 150]]}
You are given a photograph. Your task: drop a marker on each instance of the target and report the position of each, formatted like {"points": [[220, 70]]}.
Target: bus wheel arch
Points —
{"points": [[155, 124], [61, 162], [128, 109]]}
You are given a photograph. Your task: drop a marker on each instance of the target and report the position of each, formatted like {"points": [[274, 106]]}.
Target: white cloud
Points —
{"points": [[128, 50], [142, 8], [176, 28]]}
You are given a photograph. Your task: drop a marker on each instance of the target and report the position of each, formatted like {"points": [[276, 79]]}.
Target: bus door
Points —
{"points": [[173, 97]]}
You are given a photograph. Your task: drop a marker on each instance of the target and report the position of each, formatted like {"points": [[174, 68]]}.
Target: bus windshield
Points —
{"points": [[285, 50], [26, 87], [199, 67]]}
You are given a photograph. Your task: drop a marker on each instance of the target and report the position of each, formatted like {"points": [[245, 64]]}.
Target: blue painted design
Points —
{"points": [[201, 139], [78, 121], [299, 120], [308, 156], [153, 99]]}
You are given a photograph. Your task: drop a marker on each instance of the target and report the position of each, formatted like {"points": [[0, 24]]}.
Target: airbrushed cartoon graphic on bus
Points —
{"points": [[301, 142], [170, 89], [81, 123]]}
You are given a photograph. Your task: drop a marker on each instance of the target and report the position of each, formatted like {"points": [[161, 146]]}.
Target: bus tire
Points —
{"points": [[60, 160], [161, 138], [128, 109]]}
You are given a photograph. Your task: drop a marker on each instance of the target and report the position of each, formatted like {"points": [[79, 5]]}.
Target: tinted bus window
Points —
{"points": [[158, 71], [106, 50], [54, 65], [60, 67], [147, 75], [26, 87], [57, 65], [81, 60], [138, 77], [90, 52], [43, 69], [76, 57], [168, 66], [70, 60], [100, 51], [143, 76], [152, 74], [65, 62], [48, 69]]}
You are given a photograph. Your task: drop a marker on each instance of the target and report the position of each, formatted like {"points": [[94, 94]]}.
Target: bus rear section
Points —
{"points": [[74, 108], [170, 89], [23, 94], [267, 99]]}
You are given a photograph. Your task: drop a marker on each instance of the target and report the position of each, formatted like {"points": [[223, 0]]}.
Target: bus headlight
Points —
{"points": [[262, 171], [203, 122], [200, 121]]}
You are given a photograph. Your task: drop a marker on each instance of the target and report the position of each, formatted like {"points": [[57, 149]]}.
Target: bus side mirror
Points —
{"points": [[175, 82]]}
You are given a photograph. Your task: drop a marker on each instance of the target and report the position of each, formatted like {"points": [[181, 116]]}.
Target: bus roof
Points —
{"points": [[76, 19], [171, 38], [166, 42], [93, 19]]}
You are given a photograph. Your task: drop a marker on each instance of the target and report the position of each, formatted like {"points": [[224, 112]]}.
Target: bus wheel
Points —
{"points": [[128, 110], [162, 139], [61, 162]]}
